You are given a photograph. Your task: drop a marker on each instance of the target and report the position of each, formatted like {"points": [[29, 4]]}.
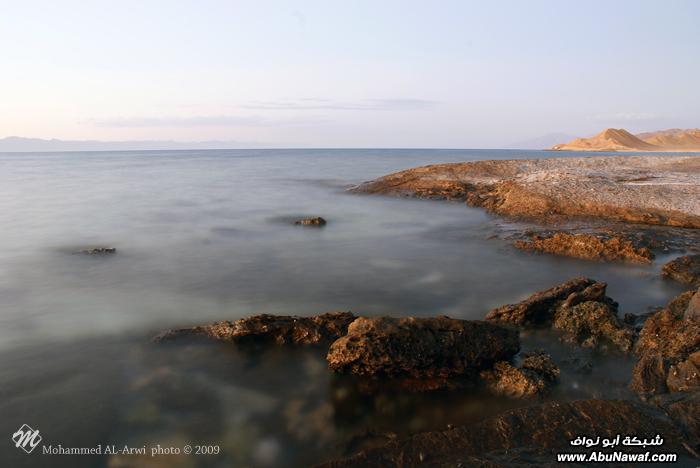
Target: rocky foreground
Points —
{"points": [[428, 354], [656, 190]]}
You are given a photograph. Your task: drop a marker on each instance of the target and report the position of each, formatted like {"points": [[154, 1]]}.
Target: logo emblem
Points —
{"points": [[26, 438]]}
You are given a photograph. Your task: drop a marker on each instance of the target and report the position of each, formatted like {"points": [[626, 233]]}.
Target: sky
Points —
{"points": [[446, 74]]}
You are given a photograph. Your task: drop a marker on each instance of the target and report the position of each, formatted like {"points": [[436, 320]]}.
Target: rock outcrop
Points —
{"points": [[683, 269], [660, 190], [522, 437], [669, 349], [98, 251], [535, 375], [433, 349], [279, 329], [578, 308], [587, 247], [315, 222]]}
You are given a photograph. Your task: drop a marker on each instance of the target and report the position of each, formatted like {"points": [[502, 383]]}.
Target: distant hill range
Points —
{"points": [[19, 144], [619, 139]]}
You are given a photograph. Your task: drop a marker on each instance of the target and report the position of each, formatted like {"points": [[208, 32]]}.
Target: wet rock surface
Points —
{"points": [[669, 349], [535, 375], [432, 349], [316, 221], [640, 189], [539, 308], [522, 437], [588, 247], [578, 308], [683, 269], [279, 329]]}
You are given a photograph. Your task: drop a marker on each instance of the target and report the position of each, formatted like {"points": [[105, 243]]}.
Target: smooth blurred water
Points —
{"points": [[208, 235]]}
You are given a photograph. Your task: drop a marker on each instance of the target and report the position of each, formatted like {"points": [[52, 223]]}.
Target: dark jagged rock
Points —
{"points": [[684, 269], [669, 350], [539, 308], [535, 375], [425, 349], [279, 329], [587, 323], [588, 247], [525, 436], [98, 251], [316, 221], [578, 308]]}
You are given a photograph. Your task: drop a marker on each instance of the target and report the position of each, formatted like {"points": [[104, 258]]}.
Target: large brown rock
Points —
{"points": [[523, 437], [421, 348], [683, 269], [279, 329], [669, 350], [578, 308], [591, 324], [539, 309]]}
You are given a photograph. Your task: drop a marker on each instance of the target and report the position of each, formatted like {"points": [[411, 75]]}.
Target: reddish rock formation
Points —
{"points": [[432, 349], [588, 247], [279, 329]]}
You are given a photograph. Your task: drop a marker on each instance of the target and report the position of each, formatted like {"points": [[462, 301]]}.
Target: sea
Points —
{"points": [[209, 235]]}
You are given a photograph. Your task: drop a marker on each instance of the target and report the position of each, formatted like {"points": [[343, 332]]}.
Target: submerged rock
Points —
{"points": [[535, 375], [521, 437], [316, 221], [433, 349], [279, 329], [669, 349], [683, 269], [588, 247], [578, 308], [98, 251]]}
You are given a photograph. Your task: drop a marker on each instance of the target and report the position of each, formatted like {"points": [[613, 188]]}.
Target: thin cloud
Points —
{"points": [[329, 104], [196, 121]]}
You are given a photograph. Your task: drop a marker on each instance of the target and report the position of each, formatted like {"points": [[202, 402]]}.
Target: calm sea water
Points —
{"points": [[207, 235]]}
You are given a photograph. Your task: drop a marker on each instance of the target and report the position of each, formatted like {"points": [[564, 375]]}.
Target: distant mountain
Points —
{"points": [[619, 139], [19, 144], [542, 142], [674, 138]]}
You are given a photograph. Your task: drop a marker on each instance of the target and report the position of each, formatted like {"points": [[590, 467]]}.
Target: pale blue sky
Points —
{"points": [[346, 74]]}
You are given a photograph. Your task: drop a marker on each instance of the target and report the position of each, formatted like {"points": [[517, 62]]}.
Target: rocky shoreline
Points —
{"points": [[655, 190], [428, 354], [443, 354]]}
